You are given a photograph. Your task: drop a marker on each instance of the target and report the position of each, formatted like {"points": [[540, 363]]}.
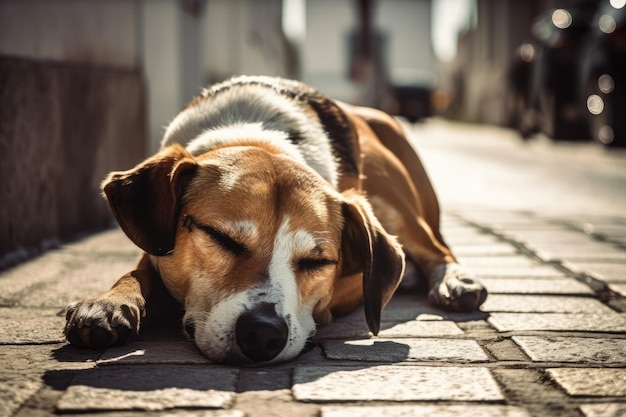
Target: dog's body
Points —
{"points": [[271, 208]]}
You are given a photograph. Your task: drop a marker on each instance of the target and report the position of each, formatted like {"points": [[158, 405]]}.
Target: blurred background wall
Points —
{"points": [[87, 86], [72, 107]]}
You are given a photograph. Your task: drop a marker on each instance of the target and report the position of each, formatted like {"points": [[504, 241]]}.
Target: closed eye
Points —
{"points": [[220, 238], [312, 264], [223, 240]]}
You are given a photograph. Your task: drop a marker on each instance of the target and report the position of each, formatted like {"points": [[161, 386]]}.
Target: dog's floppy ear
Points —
{"points": [[367, 247], [145, 199]]}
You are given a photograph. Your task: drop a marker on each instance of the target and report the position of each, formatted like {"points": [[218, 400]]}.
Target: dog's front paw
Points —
{"points": [[454, 289], [102, 321]]}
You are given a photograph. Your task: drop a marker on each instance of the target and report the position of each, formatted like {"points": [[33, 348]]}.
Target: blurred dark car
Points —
{"points": [[569, 81], [412, 102], [410, 94], [603, 74], [562, 35]]}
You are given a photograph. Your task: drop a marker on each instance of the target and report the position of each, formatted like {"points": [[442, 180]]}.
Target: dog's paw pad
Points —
{"points": [[100, 337], [471, 300], [453, 289]]}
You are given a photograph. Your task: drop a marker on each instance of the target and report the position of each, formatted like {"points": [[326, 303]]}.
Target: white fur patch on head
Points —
{"points": [[229, 179], [284, 283]]}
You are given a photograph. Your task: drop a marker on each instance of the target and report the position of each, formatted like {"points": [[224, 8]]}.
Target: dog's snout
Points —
{"points": [[261, 333]]}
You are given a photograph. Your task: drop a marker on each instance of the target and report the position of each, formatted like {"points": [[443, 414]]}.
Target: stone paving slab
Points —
{"points": [[405, 350], [604, 410], [17, 359], [589, 223], [590, 382], [544, 304], [481, 250], [44, 282], [506, 322], [111, 241], [612, 272], [602, 229], [540, 238], [29, 326], [394, 383], [587, 249], [572, 256], [168, 352], [505, 272], [150, 387], [617, 240], [619, 288], [357, 329], [509, 267], [458, 238], [405, 307], [15, 390], [573, 349], [536, 286], [503, 262], [420, 328], [153, 413], [511, 219], [523, 225], [27, 369], [425, 411]]}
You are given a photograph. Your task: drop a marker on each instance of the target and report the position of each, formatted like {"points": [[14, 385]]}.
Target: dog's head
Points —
{"points": [[253, 244]]}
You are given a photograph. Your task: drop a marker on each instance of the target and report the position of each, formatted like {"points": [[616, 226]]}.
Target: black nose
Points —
{"points": [[261, 333]]}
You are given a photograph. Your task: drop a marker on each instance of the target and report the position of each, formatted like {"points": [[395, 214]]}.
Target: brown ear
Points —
{"points": [[145, 199], [367, 247]]}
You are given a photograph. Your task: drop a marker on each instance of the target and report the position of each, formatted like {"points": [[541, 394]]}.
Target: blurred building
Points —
{"points": [[478, 74], [550, 66], [72, 108]]}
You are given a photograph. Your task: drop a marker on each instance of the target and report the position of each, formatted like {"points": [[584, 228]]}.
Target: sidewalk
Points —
{"points": [[550, 341]]}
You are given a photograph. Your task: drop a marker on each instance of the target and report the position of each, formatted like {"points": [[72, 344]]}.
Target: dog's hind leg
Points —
{"points": [[404, 201]]}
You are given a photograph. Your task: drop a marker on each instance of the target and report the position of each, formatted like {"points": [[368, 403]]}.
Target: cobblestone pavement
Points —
{"points": [[549, 341]]}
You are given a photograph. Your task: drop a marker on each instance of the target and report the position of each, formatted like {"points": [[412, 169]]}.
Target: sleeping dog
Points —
{"points": [[271, 209]]}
